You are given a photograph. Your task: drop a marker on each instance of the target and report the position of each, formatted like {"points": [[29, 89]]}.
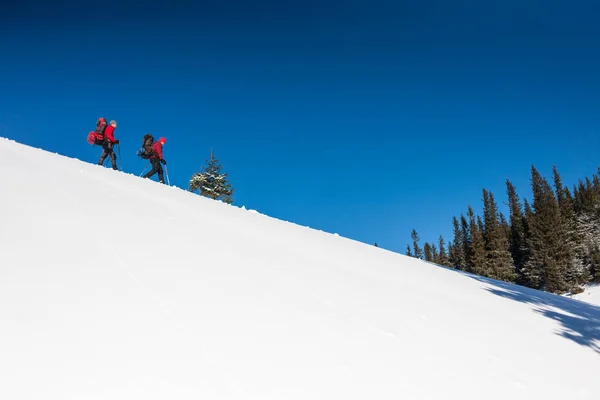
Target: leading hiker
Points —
{"points": [[156, 158], [108, 144]]}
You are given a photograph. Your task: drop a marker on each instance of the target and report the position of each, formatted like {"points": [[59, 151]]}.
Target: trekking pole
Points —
{"points": [[119, 151], [167, 173], [144, 169]]}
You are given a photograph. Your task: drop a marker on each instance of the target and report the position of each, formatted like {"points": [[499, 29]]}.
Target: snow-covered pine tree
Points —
{"points": [[211, 182], [587, 209], [577, 269]]}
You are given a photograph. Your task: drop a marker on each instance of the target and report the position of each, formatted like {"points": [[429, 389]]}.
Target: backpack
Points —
{"points": [[146, 151], [97, 136]]}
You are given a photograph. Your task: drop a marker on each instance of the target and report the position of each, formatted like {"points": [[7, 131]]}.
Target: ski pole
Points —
{"points": [[144, 169], [119, 151], [167, 173]]}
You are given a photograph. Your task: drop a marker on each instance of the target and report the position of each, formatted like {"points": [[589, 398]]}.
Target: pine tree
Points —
{"points": [[499, 263], [577, 272], [457, 255], [467, 239], [476, 260], [417, 251], [527, 239], [435, 256], [517, 246], [409, 251], [428, 252], [211, 182], [443, 256], [505, 225], [546, 267], [586, 202]]}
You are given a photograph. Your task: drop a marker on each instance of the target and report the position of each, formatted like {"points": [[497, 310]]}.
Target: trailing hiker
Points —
{"points": [[108, 143], [97, 137], [153, 151]]}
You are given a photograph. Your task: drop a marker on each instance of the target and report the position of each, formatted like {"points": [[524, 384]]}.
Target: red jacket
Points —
{"points": [[109, 133], [157, 148]]}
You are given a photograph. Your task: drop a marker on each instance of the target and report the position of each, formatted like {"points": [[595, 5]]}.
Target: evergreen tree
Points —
{"points": [[211, 182], [505, 225], [576, 272], [546, 267], [417, 251], [435, 256], [499, 263], [443, 256], [467, 239], [428, 252], [517, 245], [457, 257], [527, 239], [586, 202], [476, 259], [409, 251]]}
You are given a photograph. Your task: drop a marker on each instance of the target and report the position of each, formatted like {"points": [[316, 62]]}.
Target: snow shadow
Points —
{"points": [[579, 321]]}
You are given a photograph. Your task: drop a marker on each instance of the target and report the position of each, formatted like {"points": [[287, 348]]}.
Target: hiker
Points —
{"points": [[108, 144], [156, 158]]}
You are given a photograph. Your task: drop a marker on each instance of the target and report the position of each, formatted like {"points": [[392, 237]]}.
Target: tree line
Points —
{"points": [[552, 244]]}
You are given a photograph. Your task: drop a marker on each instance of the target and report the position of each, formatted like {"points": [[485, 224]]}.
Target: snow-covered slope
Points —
{"points": [[115, 287], [591, 294]]}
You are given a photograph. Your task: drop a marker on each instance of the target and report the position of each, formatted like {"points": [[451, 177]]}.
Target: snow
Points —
{"points": [[591, 294], [116, 287]]}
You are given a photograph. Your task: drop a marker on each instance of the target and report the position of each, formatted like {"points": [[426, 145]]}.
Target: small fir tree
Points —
{"points": [[211, 182]]}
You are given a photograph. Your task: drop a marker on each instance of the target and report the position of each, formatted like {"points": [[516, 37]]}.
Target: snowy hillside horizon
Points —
{"points": [[116, 287]]}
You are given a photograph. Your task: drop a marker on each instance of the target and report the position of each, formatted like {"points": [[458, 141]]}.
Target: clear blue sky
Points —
{"points": [[365, 118]]}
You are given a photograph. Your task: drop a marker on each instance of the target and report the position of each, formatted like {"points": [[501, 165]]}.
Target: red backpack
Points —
{"points": [[97, 136]]}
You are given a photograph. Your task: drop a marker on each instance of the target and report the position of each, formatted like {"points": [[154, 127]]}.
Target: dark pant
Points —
{"points": [[156, 167], [107, 150]]}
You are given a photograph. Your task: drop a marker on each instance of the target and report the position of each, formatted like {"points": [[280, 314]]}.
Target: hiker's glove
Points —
{"points": [[164, 162], [117, 141]]}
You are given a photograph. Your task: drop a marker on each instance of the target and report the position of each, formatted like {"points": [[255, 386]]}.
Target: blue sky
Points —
{"points": [[367, 119]]}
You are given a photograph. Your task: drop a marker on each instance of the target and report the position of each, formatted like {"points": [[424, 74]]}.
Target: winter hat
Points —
{"points": [[112, 121], [162, 140]]}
